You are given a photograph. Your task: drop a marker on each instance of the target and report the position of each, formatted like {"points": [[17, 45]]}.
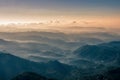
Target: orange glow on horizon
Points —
{"points": [[65, 21]]}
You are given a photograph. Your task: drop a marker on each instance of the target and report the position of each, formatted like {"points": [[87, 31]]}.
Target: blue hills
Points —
{"points": [[104, 53], [98, 60], [11, 66]]}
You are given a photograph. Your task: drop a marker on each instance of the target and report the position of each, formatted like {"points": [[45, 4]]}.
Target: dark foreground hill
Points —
{"points": [[113, 74], [30, 76], [10, 66]]}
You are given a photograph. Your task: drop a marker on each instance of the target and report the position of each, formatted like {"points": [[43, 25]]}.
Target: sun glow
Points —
{"points": [[10, 22]]}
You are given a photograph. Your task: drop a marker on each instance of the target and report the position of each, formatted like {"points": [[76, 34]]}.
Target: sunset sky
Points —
{"points": [[101, 13]]}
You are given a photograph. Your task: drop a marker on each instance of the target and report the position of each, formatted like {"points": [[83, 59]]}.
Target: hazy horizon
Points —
{"points": [[60, 13]]}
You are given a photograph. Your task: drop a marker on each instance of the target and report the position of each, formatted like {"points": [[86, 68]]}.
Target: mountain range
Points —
{"points": [[83, 63], [12, 65]]}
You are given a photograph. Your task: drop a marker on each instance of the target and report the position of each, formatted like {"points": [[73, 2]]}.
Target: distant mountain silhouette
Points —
{"points": [[106, 52]]}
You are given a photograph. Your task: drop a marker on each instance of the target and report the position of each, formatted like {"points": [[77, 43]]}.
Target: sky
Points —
{"points": [[105, 13]]}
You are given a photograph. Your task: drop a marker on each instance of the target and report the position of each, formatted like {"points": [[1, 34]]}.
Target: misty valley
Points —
{"points": [[35, 55], [59, 39]]}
